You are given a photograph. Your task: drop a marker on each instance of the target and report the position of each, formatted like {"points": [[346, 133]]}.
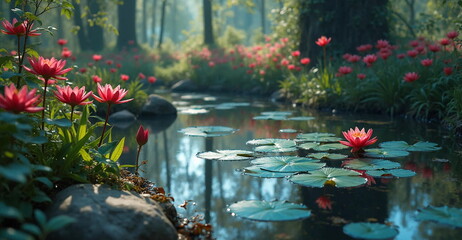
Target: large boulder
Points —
{"points": [[157, 105], [184, 86], [122, 119], [105, 213]]}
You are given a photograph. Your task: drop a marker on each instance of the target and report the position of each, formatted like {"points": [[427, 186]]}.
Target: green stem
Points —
{"points": [[105, 123], [44, 102], [137, 158], [19, 62], [72, 112]]}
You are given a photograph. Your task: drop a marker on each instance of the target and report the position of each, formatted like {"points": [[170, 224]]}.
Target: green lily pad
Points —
{"points": [[370, 164], [280, 113], [301, 118], [192, 111], [227, 155], [270, 117], [366, 230], [269, 211], [341, 177], [385, 153], [326, 155], [256, 171], [287, 164], [417, 147], [317, 137], [208, 131], [273, 145], [445, 215], [287, 130], [322, 147], [399, 172]]}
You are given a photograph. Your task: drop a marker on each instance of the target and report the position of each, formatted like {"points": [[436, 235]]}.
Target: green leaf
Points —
{"points": [[207, 131], [15, 172], [255, 171], [8, 74], [270, 117], [269, 211], [31, 52], [287, 164], [45, 181], [227, 155], [385, 153], [59, 222], [61, 122], [40, 217], [10, 212], [301, 118], [326, 155], [273, 145], [30, 139], [391, 173], [31, 228], [317, 137], [370, 164], [14, 234], [107, 148], [115, 155], [366, 230], [82, 131], [41, 197], [322, 147], [417, 147], [341, 178], [445, 215]]}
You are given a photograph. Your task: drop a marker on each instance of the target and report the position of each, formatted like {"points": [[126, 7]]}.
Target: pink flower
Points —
{"points": [[62, 42], [113, 70], [426, 62], [96, 79], [142, 136], [111, 96], [354, 58], [296, 53], [401, 56], [284, 62], [414, 43], [323, 41], [411, 77], [152, 79], [48, 68], [20, 101], [357, 139], [97, 57], [344, 70], [72, 96], [434, 48], [83, 70], [291, 67], [382, 44], [211, 64], [324, 202], [262, 72], [364, 48], [141, 76], [448, 71], [361, 76], [452, 34], [445, 42], [369, 59], [66, 53], [124, 77], [305, 61], [18, 29], [109, 62], [412, 53]]}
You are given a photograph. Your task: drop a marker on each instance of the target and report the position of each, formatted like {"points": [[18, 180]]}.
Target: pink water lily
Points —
{"points": [[357, 139]]}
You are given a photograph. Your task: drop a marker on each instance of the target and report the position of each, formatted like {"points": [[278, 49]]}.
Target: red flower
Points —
{"points": [[66, 53], [284, 62], [48, 68], [354, 58], [72, 96], [18, 29], [448, 71], [262, 72], [434, 48], [284, 40], [401, 56], [96, 79], [141, 76], [345, 70], [445, 42], [97, 57], [385, 53], [411, 76], [291, 67], [452, 34], [324, 202], [414, 43], [20, 101], [113, 70], [412, 53], [364, 48], [323, 41], [361, 76], [109, 62], [305, 61], [83, 70], [152, 79], [124, 77], [62, 42], [357, 139], [211, 64], [111, 96], [369, 59], [426, 62], [142, 136], [296, 53], [382, 44]]}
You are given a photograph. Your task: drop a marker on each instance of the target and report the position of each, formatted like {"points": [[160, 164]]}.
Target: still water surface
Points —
{"points": [[211, 186]]}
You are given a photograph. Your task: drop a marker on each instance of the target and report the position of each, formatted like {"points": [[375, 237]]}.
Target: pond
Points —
{"points": [[210, 186]]}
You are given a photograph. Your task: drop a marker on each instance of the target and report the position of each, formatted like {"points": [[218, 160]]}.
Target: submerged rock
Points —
{"points": [[184, 86], [122, 119], [105, 213], [157, 105]]}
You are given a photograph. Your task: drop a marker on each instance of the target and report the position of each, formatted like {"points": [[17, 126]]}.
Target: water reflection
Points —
{"points": [[212, 186]]}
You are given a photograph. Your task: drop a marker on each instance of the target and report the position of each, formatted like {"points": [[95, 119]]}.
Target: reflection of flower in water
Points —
{"points": [[324, 202], [427, 172], [370, 179]]}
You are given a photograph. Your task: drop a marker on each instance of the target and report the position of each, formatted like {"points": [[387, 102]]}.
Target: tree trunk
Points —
{"points": [[144, 19], [348, 22], [162, 24], [95, 33], [126, 14], [263, 17], [208, 26], [81, 35], [153, 23]]}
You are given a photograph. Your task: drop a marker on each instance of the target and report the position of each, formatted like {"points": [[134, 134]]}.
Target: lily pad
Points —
{"points": [[193, 111], [326, 155], [445, 215], [385, 153], [370, 164], [287, 164], [317, 137], [280, 113], [269, 211], [208, 131], [366, 230], [256, 171], [287, 130], [322, 147], [270, 117], [417, 147], [329, 176], [227, 155], [273, 145], [301, 118], [391, 173]]}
